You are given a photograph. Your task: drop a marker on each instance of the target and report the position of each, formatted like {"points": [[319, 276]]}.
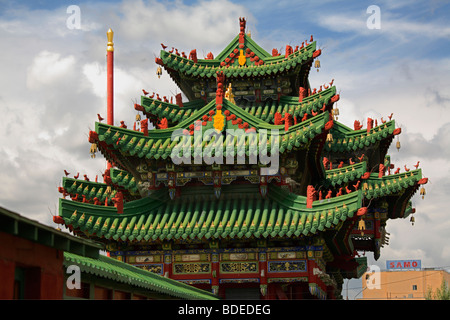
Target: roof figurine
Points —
{"points": [[229, 94], [254, 155]]}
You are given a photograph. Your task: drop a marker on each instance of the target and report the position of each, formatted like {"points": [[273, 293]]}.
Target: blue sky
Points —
{"points": [[53, 85]]}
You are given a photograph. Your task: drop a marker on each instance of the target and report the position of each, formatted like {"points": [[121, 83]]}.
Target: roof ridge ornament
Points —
{"points": [[242, 23]]}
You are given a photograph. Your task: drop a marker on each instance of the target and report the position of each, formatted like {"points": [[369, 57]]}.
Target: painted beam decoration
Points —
{"points": [[251, 184]]}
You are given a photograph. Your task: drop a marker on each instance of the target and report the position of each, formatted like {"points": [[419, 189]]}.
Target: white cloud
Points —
{"points": [[49, 68], [95, 75], [395, 26], [204, 23]]}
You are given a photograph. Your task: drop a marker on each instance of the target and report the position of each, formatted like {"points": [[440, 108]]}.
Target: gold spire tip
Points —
{"points": [[110, 44]]}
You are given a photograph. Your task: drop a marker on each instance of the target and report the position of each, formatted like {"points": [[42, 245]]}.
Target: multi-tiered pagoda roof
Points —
{"points": [[330, 189]]}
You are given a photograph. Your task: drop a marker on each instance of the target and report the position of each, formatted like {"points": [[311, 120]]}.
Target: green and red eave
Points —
{"points": [[118, 144], [258, 62], [239, 213], [300, 109]]}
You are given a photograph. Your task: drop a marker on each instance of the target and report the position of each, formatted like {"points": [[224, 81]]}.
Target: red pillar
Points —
{"points": [[167, 269], [263, 275], [215, 274]]}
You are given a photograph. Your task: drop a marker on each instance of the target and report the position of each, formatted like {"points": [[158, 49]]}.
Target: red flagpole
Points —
{"points": [[110, 80]]}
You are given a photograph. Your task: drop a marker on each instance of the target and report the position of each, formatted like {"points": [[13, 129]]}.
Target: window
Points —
{"points": [[26, 283], [414, 287], [19, 283]]}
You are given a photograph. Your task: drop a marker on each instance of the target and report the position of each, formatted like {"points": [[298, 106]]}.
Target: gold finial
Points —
{"points": [[110, 44]]}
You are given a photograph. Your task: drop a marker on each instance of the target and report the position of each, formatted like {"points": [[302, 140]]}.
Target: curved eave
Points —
{"points": [[180, 67], [124, 180], [120, 143], [117, 271], [340, 176], [173, 112], [280, 214], [391, 184], [398, 189], [347, 140], [264, 111], [351, 201], [309, 105], [89, 189]]}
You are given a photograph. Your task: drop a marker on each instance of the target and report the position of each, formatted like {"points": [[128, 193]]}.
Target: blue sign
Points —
{"points": [[403, 264]]}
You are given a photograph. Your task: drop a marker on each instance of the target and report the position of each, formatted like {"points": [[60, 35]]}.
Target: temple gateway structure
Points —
{"points": [[250, 187]]}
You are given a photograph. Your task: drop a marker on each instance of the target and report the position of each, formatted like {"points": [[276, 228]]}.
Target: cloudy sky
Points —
{"points": [[53, 84]]}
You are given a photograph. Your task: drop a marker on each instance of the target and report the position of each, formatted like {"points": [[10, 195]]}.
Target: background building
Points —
{"points": [[402, 284]]}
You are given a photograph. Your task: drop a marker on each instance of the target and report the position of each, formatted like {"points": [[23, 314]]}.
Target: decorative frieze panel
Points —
{"points": [[287, 255], [191, 268], [191, 257], [287, 266], [155, 268], [206, 177], [239, 267], [240, 256], [144, 259]]}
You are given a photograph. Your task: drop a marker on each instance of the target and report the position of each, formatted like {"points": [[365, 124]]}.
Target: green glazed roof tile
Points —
{"points": [[272, 65], [345, 174], [109, 268], [347, 140], [159, 144], [240, 212], [375, 187]]}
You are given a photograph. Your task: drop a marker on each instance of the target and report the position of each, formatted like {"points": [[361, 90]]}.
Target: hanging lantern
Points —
{"points": [[329, 139], [317, 64], [422, 192], [398, 144], [93, 150], [138, 117], [335, 112], [159, 72], [362, 226]]}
